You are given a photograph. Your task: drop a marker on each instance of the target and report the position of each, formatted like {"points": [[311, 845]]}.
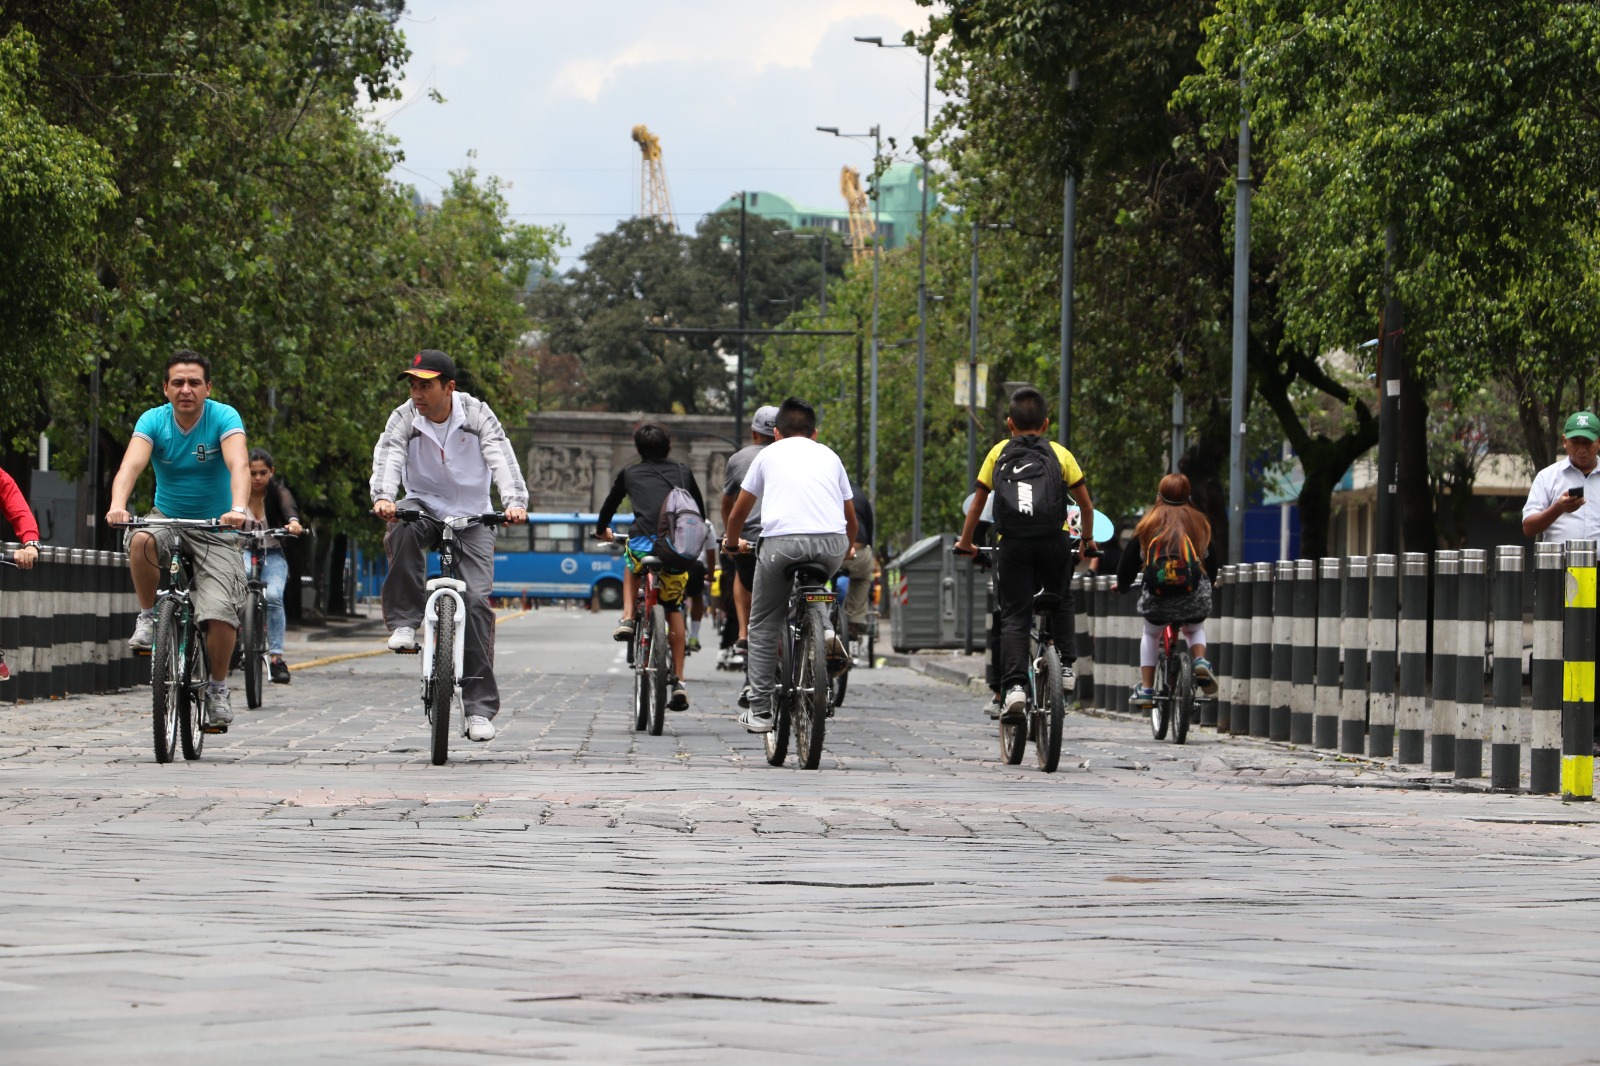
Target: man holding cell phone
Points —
{"points": [[1558, 509]]}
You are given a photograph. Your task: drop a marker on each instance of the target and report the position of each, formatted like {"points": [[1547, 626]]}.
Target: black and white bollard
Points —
{"points": [[1380, 643], [1577, 712], [1244, 576], [1282, 649], [1505, 734], [1261, 651], [1411, 715], [1446, 601], [1472, 630], [1303, 669], [1549, 601], [1083, 594], [1325, 721], [1353, 641], [1219, 712]]}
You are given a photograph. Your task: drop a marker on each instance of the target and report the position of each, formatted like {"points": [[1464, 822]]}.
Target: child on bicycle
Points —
{"points": [[1175, 550], [1031, 477]]}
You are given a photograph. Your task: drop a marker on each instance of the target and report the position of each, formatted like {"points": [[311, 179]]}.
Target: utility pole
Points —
{"points": [[922, 314], [1069, 228], [738, 408], [1241, 334]]}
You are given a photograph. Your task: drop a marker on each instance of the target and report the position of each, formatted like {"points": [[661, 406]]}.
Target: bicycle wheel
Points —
{"points": [[641, 680], [442, 691], [659, 670], [253, 635], [777, 740], [811, 692], [166, 682], [1183, 700], [1161, 706], [836, 687], [1050, 711], [197, 671], [1013, 741]]}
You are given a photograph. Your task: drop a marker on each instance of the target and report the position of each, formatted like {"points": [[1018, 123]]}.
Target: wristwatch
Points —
{"points": [[30, 544], [241, 510]]}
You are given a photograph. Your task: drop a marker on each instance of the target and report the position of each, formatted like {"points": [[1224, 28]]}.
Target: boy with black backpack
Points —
{"points": [[1031, 478], [669, 523]]}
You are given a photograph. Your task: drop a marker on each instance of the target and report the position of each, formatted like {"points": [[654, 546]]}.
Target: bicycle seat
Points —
{"points": [[807, 573], [651, 562], [1046, 602]]}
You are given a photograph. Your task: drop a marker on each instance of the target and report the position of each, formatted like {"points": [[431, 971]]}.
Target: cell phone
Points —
{"points": [[1577, 492]]}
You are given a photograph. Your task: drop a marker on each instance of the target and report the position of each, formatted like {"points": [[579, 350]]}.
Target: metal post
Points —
{"points": [[1303, 683], [1472, 632], [1446, 601], [1282, 648], [877, 239], [1577, 712], [861, 473], [1069, 240], [739, 430], [1411, 713], [1386, 536], [1549, 603], [1505, 737], [1380, 641], [1353, 639], [922, 317], [1241, 335], [972, 365]]}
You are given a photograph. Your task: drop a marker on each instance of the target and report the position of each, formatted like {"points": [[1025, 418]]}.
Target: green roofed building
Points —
{"points": [[898, 213]]}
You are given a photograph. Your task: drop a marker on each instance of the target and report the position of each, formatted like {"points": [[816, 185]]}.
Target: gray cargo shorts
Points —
{"points": [[219, 582]]}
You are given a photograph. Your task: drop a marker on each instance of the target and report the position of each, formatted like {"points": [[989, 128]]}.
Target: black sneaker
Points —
{"points": [[280, 672], [624, 631], [679, 700]]}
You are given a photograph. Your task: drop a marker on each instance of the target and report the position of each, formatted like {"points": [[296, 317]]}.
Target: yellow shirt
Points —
{"points": [[1071, 473]]}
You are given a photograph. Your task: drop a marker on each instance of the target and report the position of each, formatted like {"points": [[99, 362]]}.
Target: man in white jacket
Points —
{"points": [[445, 447]]}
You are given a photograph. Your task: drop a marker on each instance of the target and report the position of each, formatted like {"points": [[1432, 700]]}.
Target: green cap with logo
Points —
{"points": [[1583, 424]]}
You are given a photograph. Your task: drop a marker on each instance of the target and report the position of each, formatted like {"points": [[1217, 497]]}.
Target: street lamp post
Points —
{"points": [[877, 232], [922, 294]]}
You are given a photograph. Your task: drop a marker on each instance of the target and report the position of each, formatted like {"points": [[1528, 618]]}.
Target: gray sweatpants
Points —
{"points": [[769, 601], [405, 593]]}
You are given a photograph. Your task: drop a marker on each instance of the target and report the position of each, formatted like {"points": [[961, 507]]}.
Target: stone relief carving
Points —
{"points": [[561, 475]]}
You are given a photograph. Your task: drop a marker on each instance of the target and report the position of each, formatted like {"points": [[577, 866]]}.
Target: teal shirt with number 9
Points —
{"points": [[192, 481]]}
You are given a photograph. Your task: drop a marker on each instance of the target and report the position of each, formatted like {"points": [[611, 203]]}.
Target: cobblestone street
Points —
{"points": [[314, 890]]}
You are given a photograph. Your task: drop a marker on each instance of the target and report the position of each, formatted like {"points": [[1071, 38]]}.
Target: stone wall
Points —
{"points": [[570, 458]]}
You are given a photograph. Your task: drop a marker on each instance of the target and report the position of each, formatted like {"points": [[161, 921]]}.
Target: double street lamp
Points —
{"points": [[922, 293], [877, 234]]}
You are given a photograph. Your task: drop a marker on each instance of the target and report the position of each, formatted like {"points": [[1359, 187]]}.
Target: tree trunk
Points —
{"points": [[1418, 524]]}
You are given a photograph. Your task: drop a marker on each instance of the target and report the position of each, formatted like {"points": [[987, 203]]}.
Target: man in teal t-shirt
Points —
{"points": [[202, 466]]}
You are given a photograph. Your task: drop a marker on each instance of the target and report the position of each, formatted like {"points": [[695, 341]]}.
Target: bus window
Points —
{"points": [[511, 538]]}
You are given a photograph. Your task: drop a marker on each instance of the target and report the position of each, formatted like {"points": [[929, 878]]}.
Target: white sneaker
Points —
{"points": [[479, 728], [1016, 704], [755, 722], [144, 631], [404, 638]]}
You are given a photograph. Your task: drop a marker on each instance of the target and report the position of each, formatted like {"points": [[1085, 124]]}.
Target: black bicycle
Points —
{"points": [[1175, 698], [180, 662], [800, 698], [252, 654], [1044, 717], [442, 648]]}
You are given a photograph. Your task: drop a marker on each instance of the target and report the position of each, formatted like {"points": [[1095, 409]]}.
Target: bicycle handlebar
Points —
{"points": [[213, 524], [489, 518]]}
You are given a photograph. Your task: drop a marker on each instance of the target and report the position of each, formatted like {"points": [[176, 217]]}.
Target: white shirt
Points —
{"points": [[445, 469], [1554, 480], [802, 486]]}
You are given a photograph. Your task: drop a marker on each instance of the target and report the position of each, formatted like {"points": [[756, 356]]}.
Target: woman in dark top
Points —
{"points": [[1162, 531], [272, 505]]}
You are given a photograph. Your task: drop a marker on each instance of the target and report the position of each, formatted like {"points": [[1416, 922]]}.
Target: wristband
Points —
{"points": [[30, 544], [240, 510]]}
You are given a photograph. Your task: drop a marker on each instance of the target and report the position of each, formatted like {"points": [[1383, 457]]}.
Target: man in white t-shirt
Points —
{"points": [[807, 516]]}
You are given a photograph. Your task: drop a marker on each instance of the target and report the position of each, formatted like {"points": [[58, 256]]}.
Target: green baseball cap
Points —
{"points": [[1583, 424]]}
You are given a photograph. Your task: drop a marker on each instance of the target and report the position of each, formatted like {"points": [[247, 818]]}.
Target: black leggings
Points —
{"points": [[1024, 567]]}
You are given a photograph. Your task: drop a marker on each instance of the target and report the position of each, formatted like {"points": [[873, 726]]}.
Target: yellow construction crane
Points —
{"points": [[860, 224], [654, 200]]}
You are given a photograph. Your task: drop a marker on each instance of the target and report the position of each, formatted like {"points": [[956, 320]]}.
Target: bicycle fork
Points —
{"points": [[441, 587]]}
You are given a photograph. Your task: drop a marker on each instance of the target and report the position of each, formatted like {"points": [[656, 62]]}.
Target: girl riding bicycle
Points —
{"points": [[1175, 550]]}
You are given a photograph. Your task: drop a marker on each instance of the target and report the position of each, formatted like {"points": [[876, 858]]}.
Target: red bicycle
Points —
{"points": [[647, 651], [1175, 698]]}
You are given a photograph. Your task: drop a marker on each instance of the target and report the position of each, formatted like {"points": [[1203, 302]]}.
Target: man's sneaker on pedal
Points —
{"points": [[1016, 705], [992, 708], [755, 721], [404, 638], [679, 700], [624, 631], [1205, 677], [838, 656], [144, 630], [1069, 679], [479, 728], [1143, 696], [280, 672], [218, 707]]}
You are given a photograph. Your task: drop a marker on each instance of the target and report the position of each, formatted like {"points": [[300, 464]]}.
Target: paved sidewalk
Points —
{"points": [[314, 890]]}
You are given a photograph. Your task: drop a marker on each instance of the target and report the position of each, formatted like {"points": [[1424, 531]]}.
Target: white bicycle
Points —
{"points": [[442, 647]]}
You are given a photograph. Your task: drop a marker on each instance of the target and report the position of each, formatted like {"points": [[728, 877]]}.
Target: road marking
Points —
{"points": [[328, 660]]}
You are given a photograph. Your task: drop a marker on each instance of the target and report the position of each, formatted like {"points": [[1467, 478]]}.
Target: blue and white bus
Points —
{"points": [[555, 556]]}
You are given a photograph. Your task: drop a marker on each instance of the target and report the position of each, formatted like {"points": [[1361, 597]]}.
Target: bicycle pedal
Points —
{"points": [[408, 651], [210, 729]]}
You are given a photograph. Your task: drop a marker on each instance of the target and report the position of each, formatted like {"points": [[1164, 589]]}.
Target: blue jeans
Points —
{"points": [[275, 575]]}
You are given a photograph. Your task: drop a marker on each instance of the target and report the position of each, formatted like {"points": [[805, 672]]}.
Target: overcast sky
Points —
{"points": [[547, 94]]}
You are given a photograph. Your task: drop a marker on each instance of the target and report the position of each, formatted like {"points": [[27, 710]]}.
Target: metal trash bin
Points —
{"points": [[931, 600]]}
